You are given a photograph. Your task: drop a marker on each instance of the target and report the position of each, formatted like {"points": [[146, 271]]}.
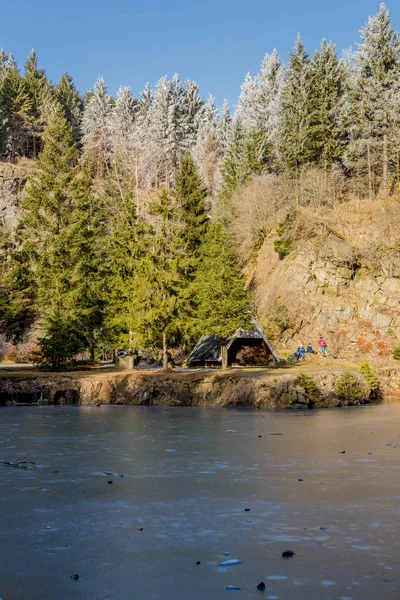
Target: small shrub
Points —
{"points": [[369, 374], [283, 245], [349, 388], [62, 342], [309, 386], [396, 353]]}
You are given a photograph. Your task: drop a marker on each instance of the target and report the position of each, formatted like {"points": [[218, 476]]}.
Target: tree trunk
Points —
{"points": [[371, 193], [165, 353], [167, 180], [137, 185], [224, 354], [131, 357], [92, 347], [385, 183]]}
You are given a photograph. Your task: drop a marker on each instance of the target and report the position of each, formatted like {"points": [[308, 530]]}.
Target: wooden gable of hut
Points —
{"points": [[246, 348]]}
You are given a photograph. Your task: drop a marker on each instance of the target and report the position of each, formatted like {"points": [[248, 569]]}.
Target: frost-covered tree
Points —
{"points": [[224, 124], [208, 150], [126, 143], [270, 85], [192, 110], [372, 103], [247, 109], [95, 126]]}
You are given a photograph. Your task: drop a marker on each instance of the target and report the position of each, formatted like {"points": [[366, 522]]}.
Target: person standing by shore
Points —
{"points": [[322, 345]]}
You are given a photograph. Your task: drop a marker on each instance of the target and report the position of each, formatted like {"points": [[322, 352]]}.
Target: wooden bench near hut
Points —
{"points": [[246, 348]]}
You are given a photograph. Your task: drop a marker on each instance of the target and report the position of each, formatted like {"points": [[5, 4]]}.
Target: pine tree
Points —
{"points": [[89, 275], [247, 109], [247, 154], [128, 242], [222, 302], [208, 148], [327, 77], [95, 126], [40, 91], [192, 108], [160, 280], [373, 99], [189, 196], [3, 63], [224, 125], [15, 110], [17, 310], [46, 224], [295, 134], [71, 103], [270, 80]]}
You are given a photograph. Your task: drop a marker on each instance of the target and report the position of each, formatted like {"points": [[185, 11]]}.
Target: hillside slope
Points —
{"points": [[340, 280]]}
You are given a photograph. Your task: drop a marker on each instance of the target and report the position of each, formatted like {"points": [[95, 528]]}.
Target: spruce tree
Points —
{"points": [[90, 272], [15, 109], [295, 144], [127, 243], [159, 281], [71, 103], [17, 294], [327, 77], [247, 154], [219, 289], [47, 221], [372, 101], [39, 90], [190, 196], [95, 122]]}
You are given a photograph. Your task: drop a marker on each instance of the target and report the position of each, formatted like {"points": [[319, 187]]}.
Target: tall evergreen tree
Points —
{"points": [[189, 196], [39, 90], [295, 142], [373, 106], [17, 309], [15, 109], [222, 302], [71, 103], [327, 76], [46, 233], [89, 274], [95, 126], [160, 280]]}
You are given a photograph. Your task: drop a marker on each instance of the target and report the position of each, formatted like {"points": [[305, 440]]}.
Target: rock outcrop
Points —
{"points": [[334, 286], [12, 184], [258, 389]]}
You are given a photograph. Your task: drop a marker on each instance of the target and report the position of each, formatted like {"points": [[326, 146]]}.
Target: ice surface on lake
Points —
{"points": [[143, 535]]}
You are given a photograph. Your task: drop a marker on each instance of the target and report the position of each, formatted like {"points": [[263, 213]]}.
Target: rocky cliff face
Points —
{"points": [[331, 285], [258, 389], [12, 184]]}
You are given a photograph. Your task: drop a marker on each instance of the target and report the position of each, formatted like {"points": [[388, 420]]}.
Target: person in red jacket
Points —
{"points": [[323, 346]]}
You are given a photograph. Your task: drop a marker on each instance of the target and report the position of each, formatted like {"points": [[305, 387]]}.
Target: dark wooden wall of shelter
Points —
{"points": [[250, 352]]}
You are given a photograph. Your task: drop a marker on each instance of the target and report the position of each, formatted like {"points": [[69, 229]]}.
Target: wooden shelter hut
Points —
{"points": [[246, 348]]}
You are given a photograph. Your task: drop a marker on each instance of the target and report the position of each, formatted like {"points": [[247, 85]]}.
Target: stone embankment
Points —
{"points": [[276, 389]]}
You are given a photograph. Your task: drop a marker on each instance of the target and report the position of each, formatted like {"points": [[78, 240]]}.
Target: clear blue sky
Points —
{"points": [[214, 42]]}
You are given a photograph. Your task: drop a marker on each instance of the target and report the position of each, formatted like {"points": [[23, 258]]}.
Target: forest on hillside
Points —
{"points": [[139, 213]]}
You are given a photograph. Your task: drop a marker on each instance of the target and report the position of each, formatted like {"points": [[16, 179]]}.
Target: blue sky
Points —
{"points": [[214, 42]]}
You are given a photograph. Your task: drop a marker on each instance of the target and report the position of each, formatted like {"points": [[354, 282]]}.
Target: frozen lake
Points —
{"points": [[186, 485]]}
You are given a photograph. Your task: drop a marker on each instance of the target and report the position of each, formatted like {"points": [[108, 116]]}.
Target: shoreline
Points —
{"points": [[275, 388]]}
